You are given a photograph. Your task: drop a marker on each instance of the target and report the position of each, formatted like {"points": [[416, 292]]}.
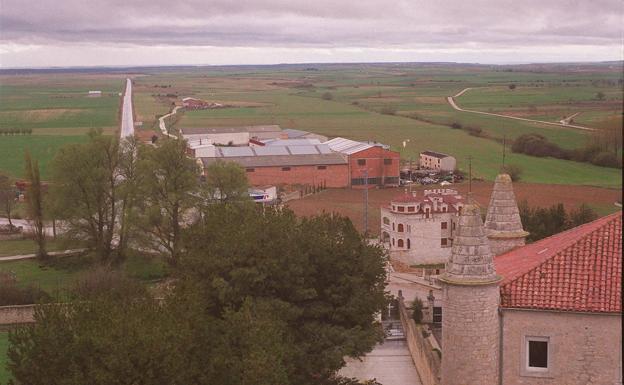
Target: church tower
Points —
{"points": [[502, 223], [470, 324]]}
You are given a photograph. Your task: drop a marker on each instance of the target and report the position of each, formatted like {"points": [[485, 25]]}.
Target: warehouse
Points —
{"points": [[369, 164]]}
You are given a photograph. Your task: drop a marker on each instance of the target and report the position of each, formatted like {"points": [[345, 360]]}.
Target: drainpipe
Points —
{"points": [[500, 346]]}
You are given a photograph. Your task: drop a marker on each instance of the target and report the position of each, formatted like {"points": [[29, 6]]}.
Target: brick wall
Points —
{"points": [[470, 334], [333, 175], [17, 314], [583, 348], [375, 165]]}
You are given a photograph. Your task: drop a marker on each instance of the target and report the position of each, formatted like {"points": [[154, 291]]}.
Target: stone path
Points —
{"points": [[30, 256], [389, 363]]}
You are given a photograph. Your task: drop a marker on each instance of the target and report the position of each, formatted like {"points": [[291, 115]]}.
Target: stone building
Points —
{"points": [[470, 325], [502, 223], [419, 230], [545, 313]]}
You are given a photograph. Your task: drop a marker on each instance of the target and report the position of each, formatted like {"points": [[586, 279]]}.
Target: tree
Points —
{"points": [[226, 182], [85, 191], [583, 214], [323, 281], [417, 313], [7, 197], [512, 86], [129, 192], [34, 199], [513, 170], [170, 180]]}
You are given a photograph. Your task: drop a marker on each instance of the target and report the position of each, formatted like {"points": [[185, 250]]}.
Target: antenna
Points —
{"points": [[504, 148], [469, 178]]}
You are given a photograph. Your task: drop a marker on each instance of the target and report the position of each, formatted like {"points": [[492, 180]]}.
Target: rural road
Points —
{"points": [[127, 122], [161, 122], [451, 101], [27, 226]]}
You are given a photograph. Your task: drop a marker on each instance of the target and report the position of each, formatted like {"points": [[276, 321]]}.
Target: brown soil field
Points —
{"points": [[350, 202]]}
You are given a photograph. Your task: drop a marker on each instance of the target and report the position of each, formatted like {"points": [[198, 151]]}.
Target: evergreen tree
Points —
{"points": [[34, 199]]}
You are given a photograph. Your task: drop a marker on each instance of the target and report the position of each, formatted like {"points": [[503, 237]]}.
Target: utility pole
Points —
{"points": [[365, 202]]}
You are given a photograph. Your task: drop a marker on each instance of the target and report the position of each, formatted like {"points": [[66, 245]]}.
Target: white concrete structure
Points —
{"points": [[419, 231], [94, 94], [437, 161]]}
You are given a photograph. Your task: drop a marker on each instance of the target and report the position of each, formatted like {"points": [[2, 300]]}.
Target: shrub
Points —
{"points": [[513, 170], [456, 125], [388, 110], [327, 96], [417, 313], [102, 281], [474, 131], [13, 294], [606, 159]]}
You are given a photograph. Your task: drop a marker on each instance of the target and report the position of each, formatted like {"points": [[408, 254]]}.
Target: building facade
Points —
{"points": [[369, 165], [437, 161], [420, 230]]}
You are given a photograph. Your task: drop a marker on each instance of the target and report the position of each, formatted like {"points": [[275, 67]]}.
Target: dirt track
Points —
{"points": [[350, 202]]}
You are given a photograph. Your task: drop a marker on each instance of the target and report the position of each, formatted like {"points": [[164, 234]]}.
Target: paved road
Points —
{"points": [[451, 101], [390, 363], [127, 121], [161, 122], [30, 256]]}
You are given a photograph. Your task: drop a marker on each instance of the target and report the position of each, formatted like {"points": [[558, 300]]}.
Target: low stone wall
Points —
{"points": [[17, 314], [426, 359]]}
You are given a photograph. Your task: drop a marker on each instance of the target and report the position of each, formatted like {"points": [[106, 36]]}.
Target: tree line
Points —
{"points": [[16, 131], [542, 222], [255, 295]]}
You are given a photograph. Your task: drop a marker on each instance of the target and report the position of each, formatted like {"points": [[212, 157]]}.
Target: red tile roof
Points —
{"points": [[405, 198], [577, 270]]}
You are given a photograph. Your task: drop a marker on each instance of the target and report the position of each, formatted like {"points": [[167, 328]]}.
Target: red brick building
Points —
{"points": [[373, 161]]}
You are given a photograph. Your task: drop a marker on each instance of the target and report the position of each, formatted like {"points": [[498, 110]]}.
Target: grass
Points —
{"points": [[4, 346], [25, 246]]}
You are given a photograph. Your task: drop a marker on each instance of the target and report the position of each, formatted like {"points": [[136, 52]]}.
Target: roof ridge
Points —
{"points": [[567, 246]]}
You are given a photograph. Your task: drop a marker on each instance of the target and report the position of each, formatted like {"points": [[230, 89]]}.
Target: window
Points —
{"points": [[444, 242], [391, 180], [427, 210], [409, 244], [401, 208], [537, 353], [437, 314], [386, 221], [387, 161], [358, 182], [443, 225], [321, 167], [285, 168], [392, 226], [392, 241], [410, 209], [361, 162], [400, 228], [409, 228], [453, 225], [250, 169], [400, 243]]}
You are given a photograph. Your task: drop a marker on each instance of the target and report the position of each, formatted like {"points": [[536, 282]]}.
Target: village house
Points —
{"points": [[437, 161], [419, 230]]}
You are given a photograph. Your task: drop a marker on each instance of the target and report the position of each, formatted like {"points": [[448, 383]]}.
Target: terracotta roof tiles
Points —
{"points": [[576, 270]]}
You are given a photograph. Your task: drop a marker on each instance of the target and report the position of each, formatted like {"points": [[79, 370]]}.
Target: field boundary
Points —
{"points": [[452, 102]]}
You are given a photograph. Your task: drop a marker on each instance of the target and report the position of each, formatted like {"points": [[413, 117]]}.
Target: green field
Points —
{"points": [[4, 346], [25, 246]]}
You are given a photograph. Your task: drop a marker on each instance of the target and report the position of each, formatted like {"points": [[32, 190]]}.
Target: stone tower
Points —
{"points": [[502, 223], [470, 324]]}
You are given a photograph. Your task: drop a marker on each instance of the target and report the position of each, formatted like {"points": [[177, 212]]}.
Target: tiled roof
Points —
{"points": [[576, 270]]}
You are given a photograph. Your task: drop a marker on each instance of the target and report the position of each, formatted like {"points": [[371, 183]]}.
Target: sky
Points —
{"points": [[47, 33]]}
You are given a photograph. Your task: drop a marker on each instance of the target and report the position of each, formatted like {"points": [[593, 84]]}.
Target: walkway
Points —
{"points": [[390, 363], [161, 122], [127, 121], [30, 256], [451, 101]]}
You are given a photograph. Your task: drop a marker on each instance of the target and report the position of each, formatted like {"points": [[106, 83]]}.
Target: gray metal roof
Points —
{"points": [[291, 142], [435, 154], [347, 146], [271, 150], [281, 160]]}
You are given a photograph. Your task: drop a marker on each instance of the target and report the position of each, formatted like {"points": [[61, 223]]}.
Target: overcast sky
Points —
{"points": [[42, 33]]}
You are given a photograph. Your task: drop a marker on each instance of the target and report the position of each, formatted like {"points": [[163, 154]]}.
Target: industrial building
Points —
{"points": [[370, 165]]}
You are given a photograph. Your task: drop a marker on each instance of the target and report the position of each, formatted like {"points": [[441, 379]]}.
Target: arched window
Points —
{"points": [[385, 237], [392, 226], [409, 244], [400, 228], [400, 243], [427, 211], [392, 241]]}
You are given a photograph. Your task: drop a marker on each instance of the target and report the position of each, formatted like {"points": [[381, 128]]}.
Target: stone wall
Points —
{"points": [[426, 359], [470, 334], [583, 348], [499, 246], [17, 314]]}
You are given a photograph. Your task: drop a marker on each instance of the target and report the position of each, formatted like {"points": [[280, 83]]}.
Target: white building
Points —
{"points": [[419, 230], [94, 94], [437, 161]]}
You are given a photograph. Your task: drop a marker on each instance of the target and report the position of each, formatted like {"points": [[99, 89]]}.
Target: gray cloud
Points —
{"points": [[318, 23]]}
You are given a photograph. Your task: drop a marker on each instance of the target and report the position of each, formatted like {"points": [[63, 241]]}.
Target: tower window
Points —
{"points": [[400, 243], [444, 242], [537, 353], [400, 228], [443, 225]]}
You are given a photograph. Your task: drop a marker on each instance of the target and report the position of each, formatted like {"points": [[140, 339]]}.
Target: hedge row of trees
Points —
{"points": [[595, 152], [542, 222], [257, 295], [16, 131]]}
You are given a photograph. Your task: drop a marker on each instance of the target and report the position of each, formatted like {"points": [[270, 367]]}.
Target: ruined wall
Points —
{"points": [[17, 314]]}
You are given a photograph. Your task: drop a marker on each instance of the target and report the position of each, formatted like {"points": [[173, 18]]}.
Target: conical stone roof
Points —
{"points": [[503, 216], [471, 261]]}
